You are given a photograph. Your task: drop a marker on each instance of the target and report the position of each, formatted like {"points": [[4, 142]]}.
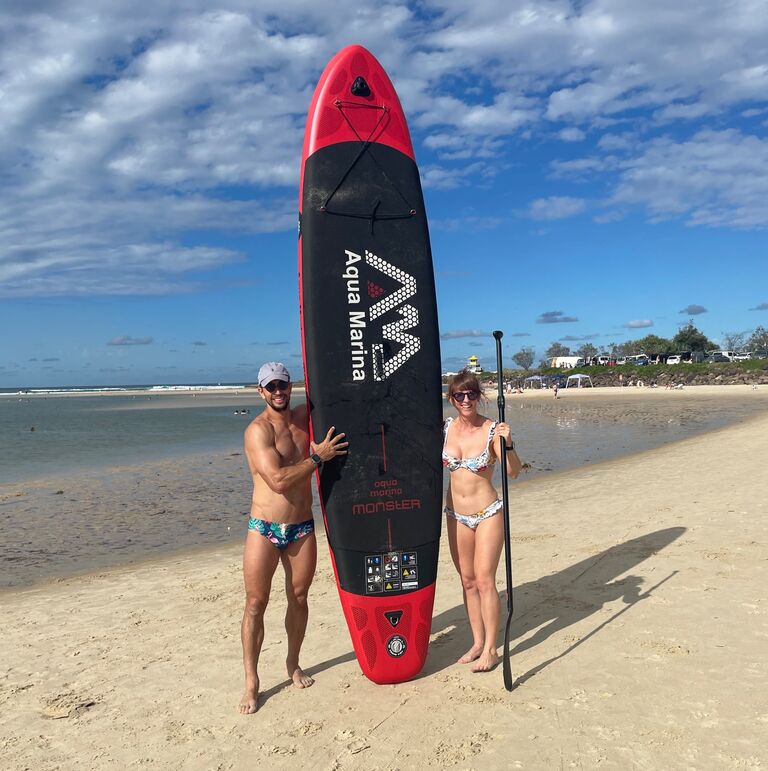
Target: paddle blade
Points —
{"points": [[509, 681]]}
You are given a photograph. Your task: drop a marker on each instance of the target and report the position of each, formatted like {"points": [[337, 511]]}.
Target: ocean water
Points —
{"points": [[43, 435]]}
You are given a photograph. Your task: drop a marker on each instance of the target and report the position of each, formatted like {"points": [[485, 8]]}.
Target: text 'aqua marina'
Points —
{"points": [[356, 317]]}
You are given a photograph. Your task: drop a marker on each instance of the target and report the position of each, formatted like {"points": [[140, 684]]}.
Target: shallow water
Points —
{"points": [[553, 435], [104, 481], [42, 435]]}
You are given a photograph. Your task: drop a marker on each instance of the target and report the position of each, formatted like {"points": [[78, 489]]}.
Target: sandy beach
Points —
{"points": [[641, 625]]}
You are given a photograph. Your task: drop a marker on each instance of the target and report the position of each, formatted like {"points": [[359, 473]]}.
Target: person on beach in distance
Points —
{"points": [[471, 446], [280, 529]]}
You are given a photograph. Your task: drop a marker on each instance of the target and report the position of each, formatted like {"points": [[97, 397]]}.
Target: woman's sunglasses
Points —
{"points": [[276, 385], [459, 395]]}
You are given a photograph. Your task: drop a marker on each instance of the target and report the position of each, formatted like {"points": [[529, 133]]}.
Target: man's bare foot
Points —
{"points": [[488, 660], [249, 703], [300, 678], [471, 655]]}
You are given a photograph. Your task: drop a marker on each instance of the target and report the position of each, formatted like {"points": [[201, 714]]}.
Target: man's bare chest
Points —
{"points": [[291, 446]]}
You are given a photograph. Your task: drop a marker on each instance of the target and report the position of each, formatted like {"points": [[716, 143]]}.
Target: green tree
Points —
{"points": [[626, 349], [734, 341], [758, 340], [587, 351], [524, 357], [654, 344], [557, 349], [688, 338]]}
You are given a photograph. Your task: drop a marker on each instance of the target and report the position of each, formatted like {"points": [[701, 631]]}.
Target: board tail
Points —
{"points": [[390, 635]]}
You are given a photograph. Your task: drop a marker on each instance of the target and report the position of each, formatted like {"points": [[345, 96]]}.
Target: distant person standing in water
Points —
{"points": [[471, 447], [280, 529]]}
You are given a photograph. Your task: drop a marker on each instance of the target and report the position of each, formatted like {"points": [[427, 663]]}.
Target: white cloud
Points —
{"points": [[716, 178], [447, 177], [607, 56], [571, 134], [617, 142], [556, 207], [127, 126], [639, 324]]}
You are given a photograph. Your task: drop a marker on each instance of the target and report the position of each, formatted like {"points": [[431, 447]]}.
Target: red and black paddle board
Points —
{"points": [[372, 360]]}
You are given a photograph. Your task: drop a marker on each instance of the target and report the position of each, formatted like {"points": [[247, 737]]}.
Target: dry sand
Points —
{"points": [[641, 627]]}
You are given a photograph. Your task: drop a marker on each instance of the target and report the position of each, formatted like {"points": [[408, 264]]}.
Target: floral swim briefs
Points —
{"points": [[281, 534]]}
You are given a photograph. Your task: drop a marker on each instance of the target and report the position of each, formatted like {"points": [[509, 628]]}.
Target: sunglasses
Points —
{"points": [[277, 385], [459, 395]]}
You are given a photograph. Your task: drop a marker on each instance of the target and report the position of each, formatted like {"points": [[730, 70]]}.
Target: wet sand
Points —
{"points": [[641, 626]]}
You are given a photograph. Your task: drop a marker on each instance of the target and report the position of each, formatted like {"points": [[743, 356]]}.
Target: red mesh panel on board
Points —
{"points": [[360, 616], [330, 121], [422, 637], [369, 648], [340, 79]]}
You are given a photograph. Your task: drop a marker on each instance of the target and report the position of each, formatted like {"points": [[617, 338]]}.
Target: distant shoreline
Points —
{"points": [[154, 391], [724, 389], [645, 390]]}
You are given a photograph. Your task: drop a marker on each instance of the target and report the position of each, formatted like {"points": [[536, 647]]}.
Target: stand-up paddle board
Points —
{"points": [[372, 360]]}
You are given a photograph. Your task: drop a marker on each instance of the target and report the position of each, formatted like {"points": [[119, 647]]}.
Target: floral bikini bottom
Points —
{"points": [[473, 520]]}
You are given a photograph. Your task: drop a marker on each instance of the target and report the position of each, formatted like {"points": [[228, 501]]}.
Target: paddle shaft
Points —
{"points": [[508, 681]]}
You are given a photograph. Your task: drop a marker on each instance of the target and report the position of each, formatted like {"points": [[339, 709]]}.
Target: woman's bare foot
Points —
{"points": [[488, 660], [249, 703], [471, 655], [300, 678]]}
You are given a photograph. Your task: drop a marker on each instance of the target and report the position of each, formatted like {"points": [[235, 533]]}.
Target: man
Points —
{"points": [[280, 528]]}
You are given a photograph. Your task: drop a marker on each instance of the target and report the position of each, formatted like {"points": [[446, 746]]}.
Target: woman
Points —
{"points": [[471, 446]]}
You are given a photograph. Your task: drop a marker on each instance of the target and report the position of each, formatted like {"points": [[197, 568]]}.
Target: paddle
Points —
{"points": [[506, 666]]}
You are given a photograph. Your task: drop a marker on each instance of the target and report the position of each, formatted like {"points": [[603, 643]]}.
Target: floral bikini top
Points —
{"points": [[475, 465]]}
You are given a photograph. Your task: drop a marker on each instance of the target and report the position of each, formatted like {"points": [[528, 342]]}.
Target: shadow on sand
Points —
{"points": [[554, 602], [549, 605]]}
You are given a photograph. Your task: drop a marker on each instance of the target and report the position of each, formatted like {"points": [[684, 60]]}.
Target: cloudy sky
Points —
{"points": [[593, 171]]}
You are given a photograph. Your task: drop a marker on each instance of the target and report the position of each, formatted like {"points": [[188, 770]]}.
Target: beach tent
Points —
{"points": [[579, 381], [536, 381]]}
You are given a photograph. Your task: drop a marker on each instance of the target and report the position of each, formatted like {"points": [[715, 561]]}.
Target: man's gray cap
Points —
{"points": [[273, 370]]}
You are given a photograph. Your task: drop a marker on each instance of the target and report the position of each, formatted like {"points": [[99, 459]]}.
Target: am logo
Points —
{"points": [[394, 331]]}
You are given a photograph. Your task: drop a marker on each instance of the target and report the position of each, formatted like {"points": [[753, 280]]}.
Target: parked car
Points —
{"points": [[602, 360], [641, 361], [673, 359], [621, 360], [744, 356], [717, 358]]}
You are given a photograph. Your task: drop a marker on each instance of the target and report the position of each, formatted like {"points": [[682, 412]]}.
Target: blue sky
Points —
{"points": [[593, 171]]}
